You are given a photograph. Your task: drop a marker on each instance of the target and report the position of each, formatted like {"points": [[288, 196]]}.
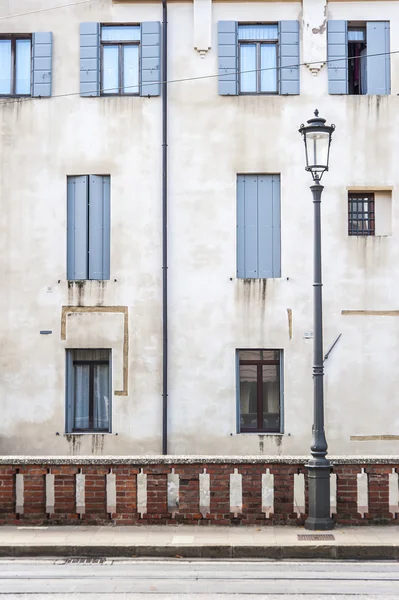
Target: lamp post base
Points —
{"points": [[319, 496]]}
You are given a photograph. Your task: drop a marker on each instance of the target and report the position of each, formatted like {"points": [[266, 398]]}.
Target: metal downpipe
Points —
{"points": [[164, 75]]}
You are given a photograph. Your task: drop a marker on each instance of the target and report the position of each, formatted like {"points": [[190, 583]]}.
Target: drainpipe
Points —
{"points": [[164, 75]]}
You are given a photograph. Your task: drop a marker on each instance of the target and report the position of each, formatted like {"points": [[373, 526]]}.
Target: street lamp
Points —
{"points": [[317, 137]]}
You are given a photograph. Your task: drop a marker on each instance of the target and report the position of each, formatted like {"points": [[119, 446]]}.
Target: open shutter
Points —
{"points": [[288, 45], [337, 55], [89, 59], [241, 226], [378, 67], [42, 52], [228, 58], [247, 226], [77, 220], [99, 227], [69, 387], [269, 226], [150, 44]]}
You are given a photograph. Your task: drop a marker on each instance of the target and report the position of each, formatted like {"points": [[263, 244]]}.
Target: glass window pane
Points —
{"points": [[249, 354], [268, 65], [81, 396], [101, 397], [271, 397], [131, 69], [248, 397], [123, 33], [5, 67], [110, 82], [356, 35], [257, 32], [22, 67], [248, 72]]}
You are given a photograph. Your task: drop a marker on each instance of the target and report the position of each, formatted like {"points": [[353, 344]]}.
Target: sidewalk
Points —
{"points": [[368, 543]]}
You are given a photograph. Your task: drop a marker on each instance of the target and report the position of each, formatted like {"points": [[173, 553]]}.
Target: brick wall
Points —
{"points": [[84, 493]]}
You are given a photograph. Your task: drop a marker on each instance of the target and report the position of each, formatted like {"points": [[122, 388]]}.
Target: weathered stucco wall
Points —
{"points": [[211, 313]]}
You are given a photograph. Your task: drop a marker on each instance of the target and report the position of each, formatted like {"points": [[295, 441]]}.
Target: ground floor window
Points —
{"points": [[88, 391], [260, 385]]}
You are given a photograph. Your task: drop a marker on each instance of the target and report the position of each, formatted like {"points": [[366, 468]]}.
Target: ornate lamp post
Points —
{"points": [[317, 137]]}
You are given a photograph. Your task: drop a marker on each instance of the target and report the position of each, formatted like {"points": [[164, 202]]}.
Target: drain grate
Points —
{"points": [[316, 537], [85, 561]]}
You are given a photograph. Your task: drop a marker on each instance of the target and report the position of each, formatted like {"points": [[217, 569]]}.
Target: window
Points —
{"points": [[260, 390], [258, 59], [357, 60], [361, 218], [120, 59], [15, 66], [358, 57], [88, 391], [258, 226], [88, 227]]}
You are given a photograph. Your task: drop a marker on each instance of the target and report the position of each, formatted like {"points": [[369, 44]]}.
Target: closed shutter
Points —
{"points": [[258, 226], [89, 59], [337, 55], [69, 392], [269, 226], [77, 227], [228, 58], [378, 67], [99, 227], [150, 44], [288, 45], [42, 53]]}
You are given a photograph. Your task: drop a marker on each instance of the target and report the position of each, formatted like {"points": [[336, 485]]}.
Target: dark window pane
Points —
{"points": [[248, 397], [271, 397], [249, 354]]}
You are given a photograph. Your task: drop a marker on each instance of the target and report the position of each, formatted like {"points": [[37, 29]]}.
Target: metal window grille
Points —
{"points": [[361, 216]]}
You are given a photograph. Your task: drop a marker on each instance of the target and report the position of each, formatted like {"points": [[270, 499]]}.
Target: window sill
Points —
{"points": [[259, 433], [88, 433]]}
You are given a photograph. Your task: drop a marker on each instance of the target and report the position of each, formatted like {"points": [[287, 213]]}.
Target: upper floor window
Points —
{"points": [[120, 59], [15, 66], [361, 219], [258, 59], [359, 57]]}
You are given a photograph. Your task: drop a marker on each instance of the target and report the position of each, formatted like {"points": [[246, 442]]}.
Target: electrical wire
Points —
{"points": [[32, 12], [185, 79]]}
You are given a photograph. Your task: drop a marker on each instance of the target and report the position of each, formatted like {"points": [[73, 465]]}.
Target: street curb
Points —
{"points": [[308, 552]]}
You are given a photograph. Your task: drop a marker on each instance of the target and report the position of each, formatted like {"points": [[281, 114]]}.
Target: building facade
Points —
{"points": [[83, 343]]}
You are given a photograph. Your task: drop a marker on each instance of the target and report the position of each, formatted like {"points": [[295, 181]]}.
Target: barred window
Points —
{"points": [[361, 217]]}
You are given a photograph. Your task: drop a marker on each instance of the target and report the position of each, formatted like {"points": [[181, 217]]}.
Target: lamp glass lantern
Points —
{"points": [[317, 137]]}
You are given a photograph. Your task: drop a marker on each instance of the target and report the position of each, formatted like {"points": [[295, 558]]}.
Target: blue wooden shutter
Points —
{"points": [[89, 59], [77, 226], [269, 226], [99, 227], [228, 58], [247, 226], [69, 392], [288, 47], [378, 67], [42, 53], [150, 45], [337, 56]]}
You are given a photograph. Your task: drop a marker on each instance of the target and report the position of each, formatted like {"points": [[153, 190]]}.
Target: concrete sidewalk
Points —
{"points": [[201, 542]]}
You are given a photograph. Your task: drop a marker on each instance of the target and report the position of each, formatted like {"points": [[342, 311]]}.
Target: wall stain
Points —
{"points": [[320, 29], [97, 444], [279, 444], [74, 442], [261, 444], [289, 313]]}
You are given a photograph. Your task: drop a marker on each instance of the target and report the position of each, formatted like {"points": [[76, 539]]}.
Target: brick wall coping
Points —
{"points": [[188, 460]]}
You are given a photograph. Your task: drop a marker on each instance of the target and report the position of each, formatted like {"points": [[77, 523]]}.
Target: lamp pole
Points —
{"points": [[317, 137]]}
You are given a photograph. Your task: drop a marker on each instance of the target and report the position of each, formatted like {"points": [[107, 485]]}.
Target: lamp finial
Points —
{"points": [[316, 113]]}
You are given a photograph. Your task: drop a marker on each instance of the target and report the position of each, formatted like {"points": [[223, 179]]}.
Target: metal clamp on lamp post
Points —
{"points": [[317, 137]]}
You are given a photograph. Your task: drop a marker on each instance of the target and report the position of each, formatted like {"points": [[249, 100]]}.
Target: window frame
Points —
{"points": [[13, 37], [259, 364], [120, 44], [70, 381], [357, 197], [258, 44]]}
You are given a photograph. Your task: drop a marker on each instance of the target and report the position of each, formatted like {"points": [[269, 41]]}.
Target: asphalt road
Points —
{"points": [[206, 580]]}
